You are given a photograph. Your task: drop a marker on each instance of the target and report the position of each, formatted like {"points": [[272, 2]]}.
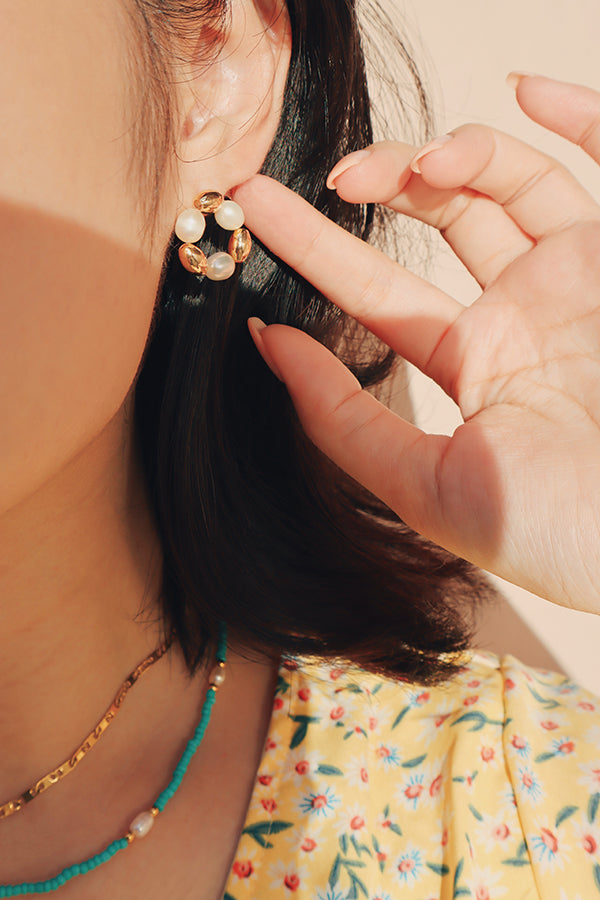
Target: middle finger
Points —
{"points": [[479, 231], [537, 191]]}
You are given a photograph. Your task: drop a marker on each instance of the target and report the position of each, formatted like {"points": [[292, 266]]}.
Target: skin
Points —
{"points": [[80, 559], [79, 550], [516, 488]]}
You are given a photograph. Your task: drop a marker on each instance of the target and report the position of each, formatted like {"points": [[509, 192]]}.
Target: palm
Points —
{"points": [[527, 459], [516, 489]]}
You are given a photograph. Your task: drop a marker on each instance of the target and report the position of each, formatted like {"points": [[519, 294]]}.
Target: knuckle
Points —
{"points": [[304, 251], [549, 168], [589, 134], [357, 411], [373, 292], [455, 209]]}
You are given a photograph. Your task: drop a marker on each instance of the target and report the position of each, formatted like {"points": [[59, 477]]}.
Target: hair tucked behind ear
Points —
{"points": [[258, 527]]}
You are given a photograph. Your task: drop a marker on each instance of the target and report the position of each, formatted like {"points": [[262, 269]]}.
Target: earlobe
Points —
{"points": [[232, 106]]}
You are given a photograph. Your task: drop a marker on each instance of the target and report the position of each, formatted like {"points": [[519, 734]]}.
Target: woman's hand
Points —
{"points": [[516, 489]]}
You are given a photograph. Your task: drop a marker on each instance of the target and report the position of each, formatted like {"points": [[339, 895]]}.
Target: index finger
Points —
{"points": [[405, 311]]}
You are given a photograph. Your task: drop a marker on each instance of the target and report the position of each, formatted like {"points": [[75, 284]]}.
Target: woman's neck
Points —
{"points": [[80, 563]]}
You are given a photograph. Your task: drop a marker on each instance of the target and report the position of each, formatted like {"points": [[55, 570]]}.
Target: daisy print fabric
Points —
{"points": [[487, 786]]}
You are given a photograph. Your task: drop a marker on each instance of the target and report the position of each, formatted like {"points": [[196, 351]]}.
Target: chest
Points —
{"points": [[190, 849]]}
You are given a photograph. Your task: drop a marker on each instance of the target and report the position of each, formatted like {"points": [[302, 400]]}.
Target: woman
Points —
{"points": [[159, 493]]}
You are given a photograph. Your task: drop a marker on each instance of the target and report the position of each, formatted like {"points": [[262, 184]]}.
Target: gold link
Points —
{"points": [[208, 201], [53, 777], [240, 244], [193, 259]]}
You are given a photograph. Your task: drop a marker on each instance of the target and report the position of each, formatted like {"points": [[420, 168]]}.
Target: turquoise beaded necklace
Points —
{"points": [[143, 822]]}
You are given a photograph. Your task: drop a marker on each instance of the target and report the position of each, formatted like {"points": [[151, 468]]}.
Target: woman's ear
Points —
{"points": [[232, 104]]}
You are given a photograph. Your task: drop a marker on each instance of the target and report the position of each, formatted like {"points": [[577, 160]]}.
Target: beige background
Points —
{"points": [[464, 50]]}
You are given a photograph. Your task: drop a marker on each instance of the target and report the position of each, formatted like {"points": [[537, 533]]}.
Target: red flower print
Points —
{"points": [[549, 839], [364, 775], [381, 857], [304, 693], [382, 752], [482, 893], [413, 791], [441, 719], [549, 725], [335, 673], [406, 865], [302, 767], [509, 684], [270, 744], [269, 804], [589, 844], [587, 706], [356, 822], [423, 698], [386, 823], [566, 747], [526, 780], [243, 868], [336, 713], [292, 882], [265, 779], [277, 703], [444, 837], [469, 701], [290, 664], [319, 801], [474, 684], [372, 723], [501, 832], [308, 844], [518, 742], [435, 787], [487, 753]]}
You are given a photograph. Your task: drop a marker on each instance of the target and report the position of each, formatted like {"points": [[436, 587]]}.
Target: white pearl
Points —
{"points": [[190, 225], [142, 824], [230, 215], [217, 676], [220, 266]]}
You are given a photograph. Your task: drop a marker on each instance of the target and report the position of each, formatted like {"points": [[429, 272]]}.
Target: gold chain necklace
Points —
{"points": [[13, 806]]}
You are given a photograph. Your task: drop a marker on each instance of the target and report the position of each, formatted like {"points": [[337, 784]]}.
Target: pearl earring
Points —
{"points": [[190, 226]]}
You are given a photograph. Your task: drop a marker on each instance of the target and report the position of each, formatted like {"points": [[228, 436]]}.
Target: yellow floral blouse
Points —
{"points": [[487, 786]]}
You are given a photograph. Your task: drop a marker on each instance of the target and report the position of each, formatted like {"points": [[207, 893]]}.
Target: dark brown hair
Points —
{"points": [[258, 527]]}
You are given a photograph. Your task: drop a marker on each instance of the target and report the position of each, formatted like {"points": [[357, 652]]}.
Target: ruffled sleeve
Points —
{"points": [[551, 743], [487, 786]]}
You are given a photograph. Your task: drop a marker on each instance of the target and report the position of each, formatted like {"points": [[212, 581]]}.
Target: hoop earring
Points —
{"points": [[190, 226]]}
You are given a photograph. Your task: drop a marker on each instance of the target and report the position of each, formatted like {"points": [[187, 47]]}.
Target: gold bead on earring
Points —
{"points": [[190, 226]]}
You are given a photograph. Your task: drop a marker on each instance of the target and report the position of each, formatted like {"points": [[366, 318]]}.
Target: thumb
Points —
{"points": [[393, 459]]}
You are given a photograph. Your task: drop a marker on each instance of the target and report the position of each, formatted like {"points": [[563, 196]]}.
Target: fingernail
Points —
{"points": [[436, 144], [513, 78], [255, 326], [353, 159]]}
